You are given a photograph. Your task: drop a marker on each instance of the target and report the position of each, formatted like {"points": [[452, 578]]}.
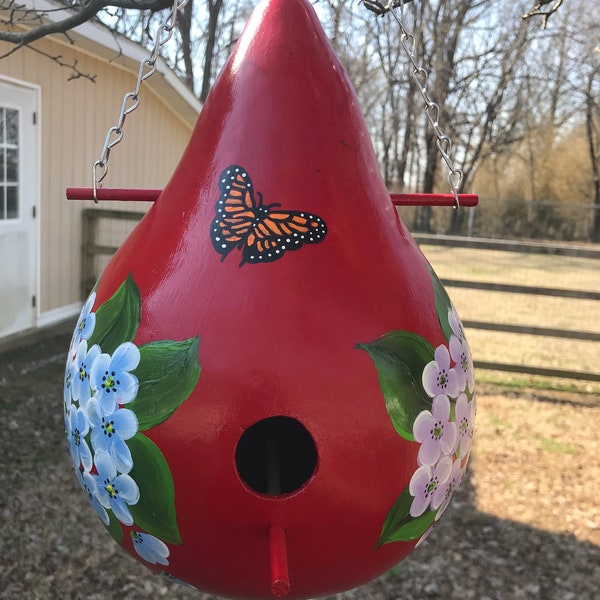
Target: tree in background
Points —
{"points": [[514, 88]]}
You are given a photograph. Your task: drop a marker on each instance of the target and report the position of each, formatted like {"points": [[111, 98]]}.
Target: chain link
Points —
{"points": [[131, 100], [432, 110]]}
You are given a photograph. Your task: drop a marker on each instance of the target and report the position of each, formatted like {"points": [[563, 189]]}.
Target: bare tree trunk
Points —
{"points": [[408, 134], [214, 8], [425, 212], [185, 30], [594, 157], [510, 60]]}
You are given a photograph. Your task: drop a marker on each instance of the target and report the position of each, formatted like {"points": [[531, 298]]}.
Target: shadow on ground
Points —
{"points": [[52, 544]]}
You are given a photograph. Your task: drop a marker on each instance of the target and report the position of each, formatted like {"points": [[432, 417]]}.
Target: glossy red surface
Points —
{"points": [[279, 339]]}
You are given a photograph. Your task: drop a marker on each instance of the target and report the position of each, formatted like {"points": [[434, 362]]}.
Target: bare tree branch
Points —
{"points": [[546, 14], [77, 15], [58, 59], [380, 9]]}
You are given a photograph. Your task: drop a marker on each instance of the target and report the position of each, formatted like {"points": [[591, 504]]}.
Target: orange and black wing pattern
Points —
{"points": [[261, 233]]}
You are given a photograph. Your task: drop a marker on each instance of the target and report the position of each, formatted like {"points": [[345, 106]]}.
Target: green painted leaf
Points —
{"points": [[443, 304], [168, 372], [399, 526], [399, 512], [118, 318], [400, 357], [155, 511], [114, 527]]}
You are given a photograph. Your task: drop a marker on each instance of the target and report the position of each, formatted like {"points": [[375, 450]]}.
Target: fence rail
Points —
{"points": [[541, 248], [94, 246], [556, 249], [92, 230]]}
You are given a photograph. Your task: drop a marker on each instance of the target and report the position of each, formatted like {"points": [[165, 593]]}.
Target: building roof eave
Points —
{"points": [[100, 42]]}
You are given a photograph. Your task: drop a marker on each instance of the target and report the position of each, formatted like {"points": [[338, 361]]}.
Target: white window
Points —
{"points": [[9, 163]]}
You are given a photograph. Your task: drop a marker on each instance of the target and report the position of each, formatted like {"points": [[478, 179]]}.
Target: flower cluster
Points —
{"points": [[446, 431], [97, 388]]}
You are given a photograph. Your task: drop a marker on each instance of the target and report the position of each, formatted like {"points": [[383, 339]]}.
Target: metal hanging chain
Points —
{"points": [[131, 100], [432, 110]]}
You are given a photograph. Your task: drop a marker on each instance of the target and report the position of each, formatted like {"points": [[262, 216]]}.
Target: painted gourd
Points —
{"points": [[269, 375]]}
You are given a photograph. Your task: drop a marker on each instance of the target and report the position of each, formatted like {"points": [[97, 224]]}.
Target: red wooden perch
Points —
{"points": [[150, 195]]}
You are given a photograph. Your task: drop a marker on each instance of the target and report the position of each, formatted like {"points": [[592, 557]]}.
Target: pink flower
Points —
{"points": [[435, 432], [438, 378], [427, 486], [461, 355], [448, 488], [465, 419]]}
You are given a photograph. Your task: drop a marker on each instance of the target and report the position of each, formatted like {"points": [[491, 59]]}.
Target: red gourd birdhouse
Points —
{"points": [[269, 391]]}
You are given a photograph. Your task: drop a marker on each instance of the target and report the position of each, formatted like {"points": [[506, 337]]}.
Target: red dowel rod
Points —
{"points": [[121, 194], [280, 579], [150, 195], [434, 199]]}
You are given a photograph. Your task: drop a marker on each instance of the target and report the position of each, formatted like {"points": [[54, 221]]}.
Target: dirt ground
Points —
{"points": [[525, 525]]}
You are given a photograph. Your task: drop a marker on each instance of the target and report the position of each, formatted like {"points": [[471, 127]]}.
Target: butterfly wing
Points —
{"points": [[236, 211], [277, 231]]}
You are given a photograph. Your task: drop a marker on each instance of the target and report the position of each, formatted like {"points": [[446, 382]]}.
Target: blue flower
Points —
{"points": [[86, 322], [78, 426], [114, 491], [67, 386], [88, 484], [150, 548], [80, 372], [109, 433], [83, 331], [110, 377]]}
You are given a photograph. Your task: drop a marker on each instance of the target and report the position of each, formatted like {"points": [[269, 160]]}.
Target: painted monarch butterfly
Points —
{"points": [[261, 233]]}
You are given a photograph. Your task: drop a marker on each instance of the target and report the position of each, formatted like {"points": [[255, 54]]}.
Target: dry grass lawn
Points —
{"points": [[524, 309]]}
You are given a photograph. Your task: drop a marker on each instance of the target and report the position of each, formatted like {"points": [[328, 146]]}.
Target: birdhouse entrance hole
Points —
{"points": [[276, 456]]}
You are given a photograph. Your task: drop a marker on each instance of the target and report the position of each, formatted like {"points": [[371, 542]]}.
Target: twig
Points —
{"points": [[58, 59], [546, 14], [380, 9]]}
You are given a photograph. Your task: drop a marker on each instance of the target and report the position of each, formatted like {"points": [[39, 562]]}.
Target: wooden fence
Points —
{"points": [[94, 245]]}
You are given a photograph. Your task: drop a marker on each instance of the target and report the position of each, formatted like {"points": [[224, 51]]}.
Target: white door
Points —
{"points": [[19, 172]]}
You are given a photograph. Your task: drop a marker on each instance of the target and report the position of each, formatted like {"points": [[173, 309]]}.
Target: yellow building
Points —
{"points": [[52, 129]]}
